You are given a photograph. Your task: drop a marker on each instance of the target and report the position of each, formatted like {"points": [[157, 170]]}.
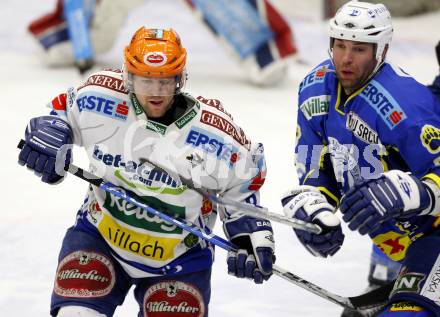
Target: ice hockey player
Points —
{"points": [[130, 122], [368, 133], [263, 46]]}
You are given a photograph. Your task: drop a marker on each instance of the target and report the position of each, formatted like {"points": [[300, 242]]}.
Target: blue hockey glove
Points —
{"points": [[307, 203], [45, 136], [254, 238], [395, 194]]}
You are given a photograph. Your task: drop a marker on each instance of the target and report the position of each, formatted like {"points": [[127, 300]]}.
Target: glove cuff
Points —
{"points": [[311, 201], [414, 193]]}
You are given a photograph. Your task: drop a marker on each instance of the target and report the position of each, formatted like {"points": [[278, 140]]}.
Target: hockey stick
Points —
{"points": [[248, 209], [361, 303]]}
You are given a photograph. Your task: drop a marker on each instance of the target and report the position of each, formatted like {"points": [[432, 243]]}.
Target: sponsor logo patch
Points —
{"points": [[148, 246], [408, 282], [84, 274], [104, 81], [405, 307], [207, 207], [182, 121], [138, 217], [393, 244], [315, 77], [213, 144], [137, 175], [315, 106], [431, 289], [155, 59], [94, 211], [361, 129], [60, 102], [103, 105], [224, 125], [430, 137], [156, 127], [383, 103], [214, 103], [173, 298]]}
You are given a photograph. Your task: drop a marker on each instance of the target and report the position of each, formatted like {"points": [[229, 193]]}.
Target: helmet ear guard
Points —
{"points": [[363, 22]]}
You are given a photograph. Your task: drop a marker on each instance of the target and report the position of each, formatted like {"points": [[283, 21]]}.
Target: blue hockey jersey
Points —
{"points": [[392, 122]]}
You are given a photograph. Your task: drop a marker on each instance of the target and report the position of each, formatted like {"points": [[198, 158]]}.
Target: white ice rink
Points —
{"points": [[34, 215]]}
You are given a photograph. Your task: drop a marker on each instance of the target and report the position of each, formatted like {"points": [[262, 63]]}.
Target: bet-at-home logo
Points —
{"points": [[315, 106]]}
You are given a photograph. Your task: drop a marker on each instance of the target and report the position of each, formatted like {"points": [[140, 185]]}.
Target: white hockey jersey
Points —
{"points": [[204, 144]]}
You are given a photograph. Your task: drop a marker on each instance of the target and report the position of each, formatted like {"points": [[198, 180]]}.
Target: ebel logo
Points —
{"points": [[361, 129], [315, 106], [103, 105], [212, 144], [383, 103]]}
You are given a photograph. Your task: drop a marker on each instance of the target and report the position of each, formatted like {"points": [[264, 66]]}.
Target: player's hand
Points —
{"points": [[46, 137], [254, 238], [395, 194], [307, 203]]}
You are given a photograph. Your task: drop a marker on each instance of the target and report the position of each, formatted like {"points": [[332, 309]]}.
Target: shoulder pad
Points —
{"points": [[215, 103]]}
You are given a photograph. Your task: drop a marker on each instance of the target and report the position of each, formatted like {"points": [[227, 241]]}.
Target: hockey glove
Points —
{"points": [[395, 194], [254, 238], [307, 203], [45, 136]]}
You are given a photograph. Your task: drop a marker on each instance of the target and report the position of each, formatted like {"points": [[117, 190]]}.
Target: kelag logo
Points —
{"points": [[103, 105], [213, 144]]}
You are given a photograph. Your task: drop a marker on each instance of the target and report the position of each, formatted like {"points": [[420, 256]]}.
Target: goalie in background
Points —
{"points": [[254, 32]]}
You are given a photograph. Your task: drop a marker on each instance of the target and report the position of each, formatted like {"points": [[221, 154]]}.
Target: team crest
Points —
{"points": [[173, 299], [430, 137], [84, 275]]}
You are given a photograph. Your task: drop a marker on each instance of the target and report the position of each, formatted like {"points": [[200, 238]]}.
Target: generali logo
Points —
{"points": [[155, 59]]}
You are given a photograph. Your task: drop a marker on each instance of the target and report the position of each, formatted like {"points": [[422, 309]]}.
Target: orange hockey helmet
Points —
{"points": [[155, 53]]}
